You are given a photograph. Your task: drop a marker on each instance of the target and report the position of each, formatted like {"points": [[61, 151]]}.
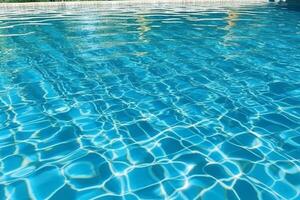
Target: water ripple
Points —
{"points": [[149, 101]]}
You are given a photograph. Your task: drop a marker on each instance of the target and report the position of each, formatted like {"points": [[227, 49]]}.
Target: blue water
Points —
{"points": [[166, 101]]}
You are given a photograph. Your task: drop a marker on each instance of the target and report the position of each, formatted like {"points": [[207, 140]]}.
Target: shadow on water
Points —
{"points": [[291, 5]]}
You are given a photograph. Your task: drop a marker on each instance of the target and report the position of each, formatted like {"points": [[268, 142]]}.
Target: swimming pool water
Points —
{"points": [[150, 101]]}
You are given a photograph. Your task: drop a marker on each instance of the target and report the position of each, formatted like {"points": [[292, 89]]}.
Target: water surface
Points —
{"points": [[150, 101]]}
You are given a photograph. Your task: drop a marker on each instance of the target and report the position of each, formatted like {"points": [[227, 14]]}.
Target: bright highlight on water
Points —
{"points": [[150, 101]]}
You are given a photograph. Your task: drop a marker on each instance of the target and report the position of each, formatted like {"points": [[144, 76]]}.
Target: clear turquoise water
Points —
{"points": [[168, 101]]}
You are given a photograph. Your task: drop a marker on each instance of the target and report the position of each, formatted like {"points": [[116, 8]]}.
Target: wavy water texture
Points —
{"points": [[168, 101]]}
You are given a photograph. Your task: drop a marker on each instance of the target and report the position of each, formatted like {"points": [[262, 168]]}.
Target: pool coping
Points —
{"points": [[129, 2]]}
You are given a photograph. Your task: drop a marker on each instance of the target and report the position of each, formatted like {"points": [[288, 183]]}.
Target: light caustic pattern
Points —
{"points": [[152, 102]]}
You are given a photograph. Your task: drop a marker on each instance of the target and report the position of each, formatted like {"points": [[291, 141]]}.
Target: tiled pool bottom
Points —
{"points": [[165, 101]]}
